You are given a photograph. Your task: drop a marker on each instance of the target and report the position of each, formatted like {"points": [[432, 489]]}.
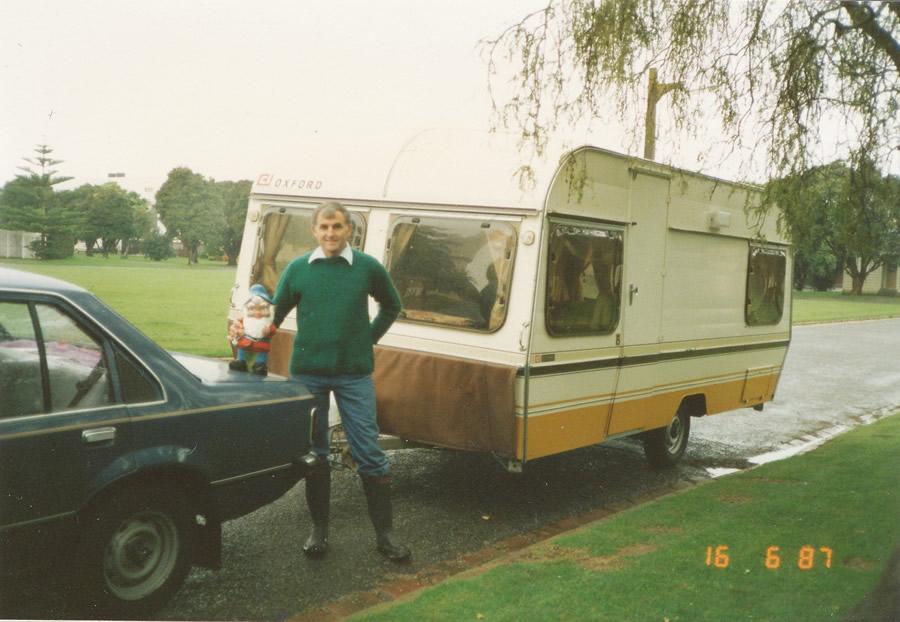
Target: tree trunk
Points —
{"points": [[231, 250], [799, 275], [858, 280]]}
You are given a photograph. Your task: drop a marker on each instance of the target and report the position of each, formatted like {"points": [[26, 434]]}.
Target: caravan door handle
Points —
{"points": [[632, 291]]}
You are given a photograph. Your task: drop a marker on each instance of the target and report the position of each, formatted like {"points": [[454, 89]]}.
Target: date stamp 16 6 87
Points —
{"points": [[806, 557]]}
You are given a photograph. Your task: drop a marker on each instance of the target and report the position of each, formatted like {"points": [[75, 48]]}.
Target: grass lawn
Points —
{"points": [[801, 539], [834, 306], [181, 307], [184, 307]]}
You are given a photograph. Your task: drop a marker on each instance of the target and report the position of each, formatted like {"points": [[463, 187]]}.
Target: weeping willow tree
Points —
{"points": [[792, 85], [770, 74]]}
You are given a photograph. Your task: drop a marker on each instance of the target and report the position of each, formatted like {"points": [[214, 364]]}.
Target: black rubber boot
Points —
{"points": [[318, 500], [260, 369], [237, 365], [378, 497]]}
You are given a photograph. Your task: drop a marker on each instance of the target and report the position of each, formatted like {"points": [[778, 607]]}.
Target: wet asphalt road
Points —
{"points": [[834, 374], [449, 503]]}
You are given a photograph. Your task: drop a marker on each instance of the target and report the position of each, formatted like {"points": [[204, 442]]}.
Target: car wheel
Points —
{"points": [[136, 551], [664, 447]]}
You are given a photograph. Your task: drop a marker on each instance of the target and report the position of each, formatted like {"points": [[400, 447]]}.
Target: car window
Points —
{"points": [[76, 363], [20, 363], [136, 386]]}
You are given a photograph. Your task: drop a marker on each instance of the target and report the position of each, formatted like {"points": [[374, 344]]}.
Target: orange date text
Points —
{"points": [[774, 557]]}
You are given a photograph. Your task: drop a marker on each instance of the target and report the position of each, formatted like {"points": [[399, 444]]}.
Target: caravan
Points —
{"points": [[550, 306]]}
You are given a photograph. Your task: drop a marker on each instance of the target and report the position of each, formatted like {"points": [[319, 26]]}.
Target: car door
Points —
{"points": [[61, 421]]}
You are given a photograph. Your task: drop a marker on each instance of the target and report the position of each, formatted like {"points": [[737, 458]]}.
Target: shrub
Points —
{"points": [[54, 247], [158, 247]]}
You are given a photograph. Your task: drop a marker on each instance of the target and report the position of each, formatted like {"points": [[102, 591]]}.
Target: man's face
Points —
{"points": [[332, 233]]}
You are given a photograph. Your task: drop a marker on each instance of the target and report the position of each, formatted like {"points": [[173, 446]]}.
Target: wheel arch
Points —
{"points": [[192, 484], [693, 405]]}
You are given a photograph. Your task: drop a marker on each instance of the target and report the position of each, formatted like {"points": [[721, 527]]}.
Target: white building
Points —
{"points": [[882, 281], [16, 244]]}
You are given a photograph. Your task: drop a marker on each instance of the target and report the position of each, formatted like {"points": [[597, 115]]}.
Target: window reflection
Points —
{"points": [[584, 276], [765, 286], [452, 271], [21, 388], [75, 362]]}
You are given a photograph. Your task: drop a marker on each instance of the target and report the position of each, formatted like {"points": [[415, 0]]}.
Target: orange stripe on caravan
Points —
{"points": [[562, 431], [579, 427]]}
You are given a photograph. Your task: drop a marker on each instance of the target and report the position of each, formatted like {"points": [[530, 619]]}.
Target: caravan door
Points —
{"points": [[635, 406], [575, 348]]}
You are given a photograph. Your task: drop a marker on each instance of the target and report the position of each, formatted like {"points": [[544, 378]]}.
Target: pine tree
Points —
{"points": [[30, 203]]}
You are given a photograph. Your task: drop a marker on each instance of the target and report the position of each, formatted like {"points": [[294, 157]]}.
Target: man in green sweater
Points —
{"points": [[330, 287]]}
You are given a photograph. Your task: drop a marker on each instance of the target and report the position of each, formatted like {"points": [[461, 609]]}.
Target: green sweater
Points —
{"points": [[334, 335]]}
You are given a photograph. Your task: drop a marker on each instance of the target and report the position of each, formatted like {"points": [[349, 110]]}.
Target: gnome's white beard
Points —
{"points": [[257, 327]]}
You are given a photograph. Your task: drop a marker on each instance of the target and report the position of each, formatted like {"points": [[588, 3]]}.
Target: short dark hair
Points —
{"points": [[329, 209]]}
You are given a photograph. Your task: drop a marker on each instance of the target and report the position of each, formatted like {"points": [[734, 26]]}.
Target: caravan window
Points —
{"points": [[452, 271], [765, 286], [287, 235], [584, 273]]}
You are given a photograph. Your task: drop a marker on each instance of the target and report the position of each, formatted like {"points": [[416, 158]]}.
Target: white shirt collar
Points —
{"points": [[347, 254]]}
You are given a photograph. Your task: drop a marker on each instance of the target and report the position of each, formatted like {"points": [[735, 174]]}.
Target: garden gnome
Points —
{"points": [[255, 332]]}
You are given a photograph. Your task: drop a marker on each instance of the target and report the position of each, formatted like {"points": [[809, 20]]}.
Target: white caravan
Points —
{"points": [[548, 307]]}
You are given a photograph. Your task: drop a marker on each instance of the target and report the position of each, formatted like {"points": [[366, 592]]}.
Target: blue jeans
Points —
{"points": [[355, 397]]}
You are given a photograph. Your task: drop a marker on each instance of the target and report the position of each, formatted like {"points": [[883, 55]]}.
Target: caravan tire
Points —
{"points": [[664, 447]]}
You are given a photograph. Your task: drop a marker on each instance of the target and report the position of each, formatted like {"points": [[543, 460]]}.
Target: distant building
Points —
{"points": [[882, 281], [17, 244]]}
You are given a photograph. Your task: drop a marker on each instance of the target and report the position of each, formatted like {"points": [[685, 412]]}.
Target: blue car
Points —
{"points": [[122, 458]]}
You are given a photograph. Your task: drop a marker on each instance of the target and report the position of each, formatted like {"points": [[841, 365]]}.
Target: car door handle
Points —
{"points": [[98, 435]]}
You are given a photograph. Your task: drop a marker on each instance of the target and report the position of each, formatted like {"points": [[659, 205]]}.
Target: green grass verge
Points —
{"points": [[184, 307], [834, 306], [181, 307], [650, 563]]}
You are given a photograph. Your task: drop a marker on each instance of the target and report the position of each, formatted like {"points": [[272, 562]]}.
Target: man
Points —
{"points": [[333, 353]]}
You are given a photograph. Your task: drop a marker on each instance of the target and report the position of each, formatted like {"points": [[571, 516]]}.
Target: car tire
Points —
{"points": [[136, 552], [664, 447]]}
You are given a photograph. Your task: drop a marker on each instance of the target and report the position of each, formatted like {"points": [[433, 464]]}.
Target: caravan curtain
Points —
{"points": [[264, 270]]}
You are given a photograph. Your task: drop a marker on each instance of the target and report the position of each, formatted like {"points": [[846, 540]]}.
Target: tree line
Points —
{"points": [[840, 217], [108, 219]]}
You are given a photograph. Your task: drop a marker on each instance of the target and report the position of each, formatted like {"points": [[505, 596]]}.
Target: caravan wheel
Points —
{"points": [[664, 447]]}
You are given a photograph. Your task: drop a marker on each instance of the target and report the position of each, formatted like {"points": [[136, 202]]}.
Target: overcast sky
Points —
{"points": [[229, 88]]}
